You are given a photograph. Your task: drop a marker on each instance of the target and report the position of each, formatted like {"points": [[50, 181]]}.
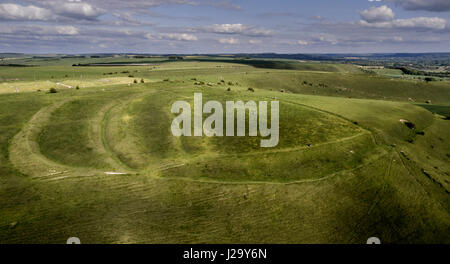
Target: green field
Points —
{"points": [[98, 161]]}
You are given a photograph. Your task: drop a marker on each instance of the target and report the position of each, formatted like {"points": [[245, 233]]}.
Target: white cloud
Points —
{"points": [[178, 36], [302, 42], [435, 23], [231, 41], [67, 30], [54, 12], [140, 5], [18, 12], [255, 41], [377, 14], [383, 17], [238, 29], [78, 10], [228, 28]]}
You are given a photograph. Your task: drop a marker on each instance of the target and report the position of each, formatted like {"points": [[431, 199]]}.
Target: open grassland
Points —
{"points": [[345, 169]]}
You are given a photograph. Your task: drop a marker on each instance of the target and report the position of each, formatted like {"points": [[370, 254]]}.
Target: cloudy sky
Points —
{"points": [[224, 26]]}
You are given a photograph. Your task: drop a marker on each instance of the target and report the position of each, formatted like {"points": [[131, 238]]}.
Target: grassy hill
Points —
{"points": [[345, 169]]}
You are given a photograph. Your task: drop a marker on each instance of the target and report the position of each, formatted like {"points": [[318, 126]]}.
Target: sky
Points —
{"points": [[224, 26]]}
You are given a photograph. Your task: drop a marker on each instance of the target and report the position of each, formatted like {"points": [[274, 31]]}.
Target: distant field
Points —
{"points": [[386, 71], [100, 162], [34, 86]]}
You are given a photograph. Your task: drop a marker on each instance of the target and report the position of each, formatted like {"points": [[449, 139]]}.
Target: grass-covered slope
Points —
{"points": [[345, 168]]}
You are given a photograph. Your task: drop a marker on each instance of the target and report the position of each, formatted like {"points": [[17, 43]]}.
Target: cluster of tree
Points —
{"points": [[73, 57], [423, 73], [15, 65], [312, 84]]}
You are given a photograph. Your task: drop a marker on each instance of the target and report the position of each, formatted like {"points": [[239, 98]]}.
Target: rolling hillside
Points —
{"points": [[98, 160]]}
